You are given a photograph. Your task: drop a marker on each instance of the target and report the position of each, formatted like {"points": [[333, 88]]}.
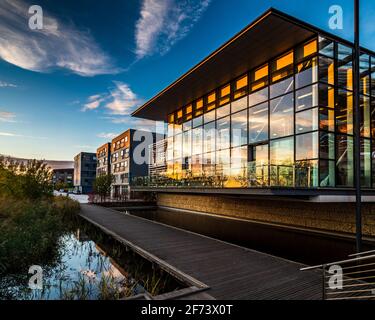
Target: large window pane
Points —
{"points": [[282, 162], [326, 119], [223, 134], [170, 149], [209, 137], [223, 162], [177, 128], [238, 169], [258, 165], [281, 116], [307, 146], [197, 140], [344, 161], [327, 145], [365, 116], [209, 116], [307, 98], [326, 96], [327, 173], [365, 163], [307, 121], [258, 123], [258, 97], [345, 67], [327, 70], [197, 121], [196, 165], [223, 111], [307, 73], [344, 112], [187, 125], [372, 75], [239, 104], [209, 164], [364, 67], [281, 87], [307, 174], [326, 47], [239, 128], [186, 144], [177, 146]]}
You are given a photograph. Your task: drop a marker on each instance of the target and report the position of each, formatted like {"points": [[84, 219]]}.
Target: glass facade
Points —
{"points": [[287, 123]]}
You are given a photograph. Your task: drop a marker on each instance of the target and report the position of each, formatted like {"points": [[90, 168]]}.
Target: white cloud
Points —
{"points": [[4, 84], [164, 22], [57, 45], [15, 135], [6, 116], [120, 100], [93, 102], [105, 135]]}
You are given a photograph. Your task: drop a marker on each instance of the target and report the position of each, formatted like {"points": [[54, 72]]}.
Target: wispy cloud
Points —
{"points": [[4, 84], [57, 45], [15, 135], [164, 22], [107, 135], [119, 100], [84, 147], [93, 102], [6, 116]]}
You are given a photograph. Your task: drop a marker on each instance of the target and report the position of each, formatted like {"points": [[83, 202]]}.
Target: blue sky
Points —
{"points": [[72, 85]]}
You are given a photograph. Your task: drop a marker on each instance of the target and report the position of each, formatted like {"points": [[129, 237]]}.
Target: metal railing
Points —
{"points": [[351, 279]]}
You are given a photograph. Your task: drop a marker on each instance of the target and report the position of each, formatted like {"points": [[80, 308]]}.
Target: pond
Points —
{"points": [[89, 265], [291, 243]]}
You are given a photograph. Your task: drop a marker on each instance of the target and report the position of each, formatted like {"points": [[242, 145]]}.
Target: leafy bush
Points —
{"points": [[32, 180]]}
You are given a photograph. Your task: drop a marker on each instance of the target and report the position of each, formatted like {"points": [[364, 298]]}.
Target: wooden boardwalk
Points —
{"points": [[229, 271]]}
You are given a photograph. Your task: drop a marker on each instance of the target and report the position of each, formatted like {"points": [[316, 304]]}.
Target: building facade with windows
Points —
{"points": [[103, 156], [84, 172], [270, 109], [63, 176], [124, 163]]}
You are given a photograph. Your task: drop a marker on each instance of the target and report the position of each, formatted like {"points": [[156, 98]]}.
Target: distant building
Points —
{"points": [[123, 164], [84, 171], [103, 156], [64, 176]]}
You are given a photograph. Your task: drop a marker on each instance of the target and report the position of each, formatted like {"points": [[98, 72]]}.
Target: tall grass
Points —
{"points": [[30, 229]]}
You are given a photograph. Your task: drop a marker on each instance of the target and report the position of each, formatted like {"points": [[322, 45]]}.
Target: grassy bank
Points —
{"points": [[29, 229], [31, 219]]}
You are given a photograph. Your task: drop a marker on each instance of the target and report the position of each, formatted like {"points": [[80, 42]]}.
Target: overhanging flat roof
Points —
{"points": [[268, 36]]}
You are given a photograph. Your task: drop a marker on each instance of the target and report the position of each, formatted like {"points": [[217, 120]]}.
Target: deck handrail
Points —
{"points": [[338, 262]]}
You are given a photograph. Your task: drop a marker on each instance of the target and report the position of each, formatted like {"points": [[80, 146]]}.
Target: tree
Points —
{"points": [[102, 185]]}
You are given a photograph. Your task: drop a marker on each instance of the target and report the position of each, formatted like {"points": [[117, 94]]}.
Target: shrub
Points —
{"points": [[29, 230]]}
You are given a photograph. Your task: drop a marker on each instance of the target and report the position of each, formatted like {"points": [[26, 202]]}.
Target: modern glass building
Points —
{"points": [[271, 108]]}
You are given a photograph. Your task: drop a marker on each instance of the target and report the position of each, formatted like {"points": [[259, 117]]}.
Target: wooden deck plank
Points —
{"points": [[231, 272]]}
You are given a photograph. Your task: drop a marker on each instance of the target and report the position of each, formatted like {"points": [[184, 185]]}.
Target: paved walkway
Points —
{"points": [[230, 271]]}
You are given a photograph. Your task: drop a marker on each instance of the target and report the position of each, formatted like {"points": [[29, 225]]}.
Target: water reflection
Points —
{"points": [[90, 266]]}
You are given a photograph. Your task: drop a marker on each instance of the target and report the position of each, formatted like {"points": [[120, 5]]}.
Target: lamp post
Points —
{"points": [[357, 130]]}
